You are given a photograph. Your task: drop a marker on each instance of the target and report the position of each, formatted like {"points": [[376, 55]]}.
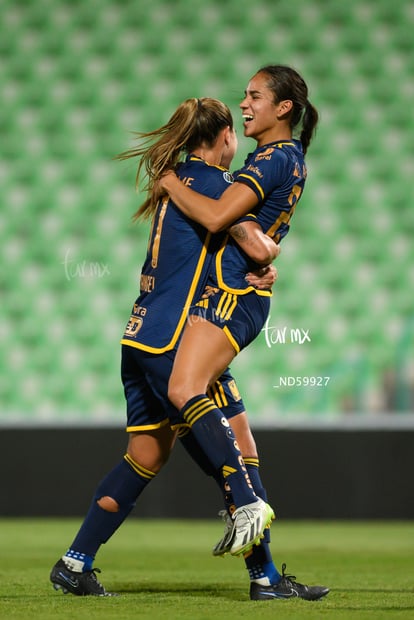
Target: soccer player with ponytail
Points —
{"points": [[179, 261], [278, 115], [174, 274]]}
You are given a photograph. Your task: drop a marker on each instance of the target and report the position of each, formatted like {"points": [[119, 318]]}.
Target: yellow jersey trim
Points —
{"points": [[196, 158], [232, 341], [228, 289], [217, 394], [147, 427], [246, 176], [180, 324]]}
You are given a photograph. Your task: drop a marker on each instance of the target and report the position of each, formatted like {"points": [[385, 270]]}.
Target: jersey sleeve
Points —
{"points": [[264, 171], [249, 217], [212, 182]]}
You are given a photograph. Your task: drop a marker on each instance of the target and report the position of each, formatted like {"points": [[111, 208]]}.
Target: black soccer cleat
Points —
{"points": [[80, 584], [286, 588]]}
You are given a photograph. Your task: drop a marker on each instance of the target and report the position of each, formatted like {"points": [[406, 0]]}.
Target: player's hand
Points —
{"points": [[165, 179], [158, 189], [263, 278]]}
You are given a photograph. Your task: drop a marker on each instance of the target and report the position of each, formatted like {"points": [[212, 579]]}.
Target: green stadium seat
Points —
{"points": [[78, 77]]}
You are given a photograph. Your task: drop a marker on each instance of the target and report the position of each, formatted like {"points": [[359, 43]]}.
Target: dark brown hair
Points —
{"points": [[286, 83]]}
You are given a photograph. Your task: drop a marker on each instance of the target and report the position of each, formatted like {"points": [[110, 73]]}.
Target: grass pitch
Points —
{"points": [[165, 570]]}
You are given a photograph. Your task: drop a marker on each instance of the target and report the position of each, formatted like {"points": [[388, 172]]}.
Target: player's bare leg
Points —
{"points": [[204, 352], [114, 498], [152, 448]]}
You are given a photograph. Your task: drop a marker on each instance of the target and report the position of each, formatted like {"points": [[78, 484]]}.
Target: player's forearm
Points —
{"points": [[196, 206], [215, 215], [258, 246]]}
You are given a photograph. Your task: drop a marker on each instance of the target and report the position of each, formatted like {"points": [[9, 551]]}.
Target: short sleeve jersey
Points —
{"points": [[177, 264], [276, 173]]}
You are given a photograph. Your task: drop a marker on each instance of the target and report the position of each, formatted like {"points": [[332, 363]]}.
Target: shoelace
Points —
{"points": [[93, 571], [92, 575], [289, 578]]}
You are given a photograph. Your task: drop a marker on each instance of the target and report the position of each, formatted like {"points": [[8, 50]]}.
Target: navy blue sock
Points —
{"points": [[192, 446], [259, 561], [194, 449], [214, 434], [123, 484], [252, 466]]}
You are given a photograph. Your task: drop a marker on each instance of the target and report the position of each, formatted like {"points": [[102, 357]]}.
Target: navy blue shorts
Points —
{"points": [[241, 317], [145, 378]]}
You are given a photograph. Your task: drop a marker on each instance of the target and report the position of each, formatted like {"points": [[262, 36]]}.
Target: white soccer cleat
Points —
{"points": [[250, 522], [224, 544]]}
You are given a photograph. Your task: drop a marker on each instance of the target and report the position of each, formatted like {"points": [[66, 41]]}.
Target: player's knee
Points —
{"points": [[155, 463], [108, 503], [178, 394]]}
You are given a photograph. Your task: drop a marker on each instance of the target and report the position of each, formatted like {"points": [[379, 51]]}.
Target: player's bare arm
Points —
{"points": [[254, 242], [215, 215]]}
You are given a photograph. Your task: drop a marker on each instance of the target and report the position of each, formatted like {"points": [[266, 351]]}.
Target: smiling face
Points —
{"points": [[263, 119]]}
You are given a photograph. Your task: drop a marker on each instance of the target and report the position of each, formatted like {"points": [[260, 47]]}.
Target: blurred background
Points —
{"points": [[78, 77]]}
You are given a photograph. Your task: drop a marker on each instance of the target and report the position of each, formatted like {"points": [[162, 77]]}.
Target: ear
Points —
{"points": [[227, 135], [284, 108]]}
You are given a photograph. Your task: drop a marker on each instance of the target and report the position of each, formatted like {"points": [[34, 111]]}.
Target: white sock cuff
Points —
{"points": [[74, 565]]}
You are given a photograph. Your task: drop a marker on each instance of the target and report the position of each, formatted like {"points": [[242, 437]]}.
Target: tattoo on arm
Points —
{"points": [[238, 232]]}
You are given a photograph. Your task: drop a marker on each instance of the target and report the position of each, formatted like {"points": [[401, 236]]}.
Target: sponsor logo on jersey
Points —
{"points": [[267, 154], [133, 326], [255, 170]]}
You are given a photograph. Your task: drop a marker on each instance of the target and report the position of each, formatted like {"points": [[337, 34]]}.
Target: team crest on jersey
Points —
{"points": [[234, 390], [228, 177]]}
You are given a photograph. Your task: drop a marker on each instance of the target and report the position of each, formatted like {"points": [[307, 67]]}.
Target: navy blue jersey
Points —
{"points": [[276, 173], [177, 264]]}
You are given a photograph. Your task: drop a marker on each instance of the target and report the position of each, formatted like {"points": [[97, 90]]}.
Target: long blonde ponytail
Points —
{"points": [[195, 122]]}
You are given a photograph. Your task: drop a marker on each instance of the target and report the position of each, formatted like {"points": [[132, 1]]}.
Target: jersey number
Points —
{"points": [[285, 216], [157, 237]]}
